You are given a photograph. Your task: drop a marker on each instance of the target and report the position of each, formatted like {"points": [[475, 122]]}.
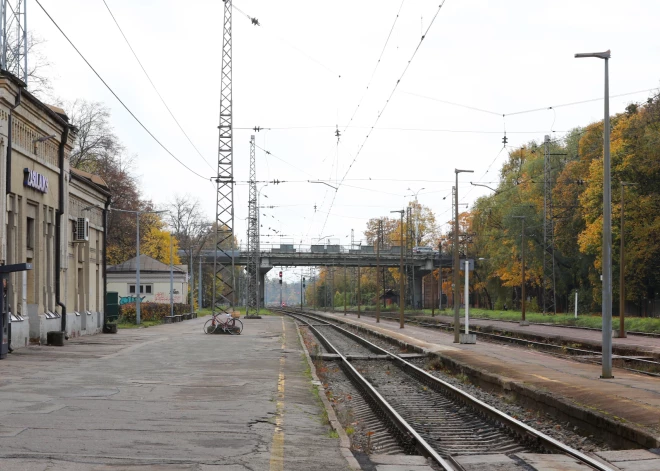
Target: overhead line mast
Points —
{"points": [[252, 305], [223, 280], [13, 38]]}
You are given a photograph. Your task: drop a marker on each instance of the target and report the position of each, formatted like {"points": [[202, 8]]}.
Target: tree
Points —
{"points": [[98, 150], [156, 244], [96, 141], [188, 223]]}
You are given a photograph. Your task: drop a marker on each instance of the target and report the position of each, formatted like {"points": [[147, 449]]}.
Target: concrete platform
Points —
{"points": [[639, 343], [626, 408], [167, 397]]}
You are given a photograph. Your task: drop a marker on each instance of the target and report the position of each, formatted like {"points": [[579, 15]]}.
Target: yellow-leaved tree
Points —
{"points": [[156, 244]]}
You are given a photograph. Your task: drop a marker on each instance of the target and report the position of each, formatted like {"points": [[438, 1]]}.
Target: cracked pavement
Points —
{"points": [[164, 398]]}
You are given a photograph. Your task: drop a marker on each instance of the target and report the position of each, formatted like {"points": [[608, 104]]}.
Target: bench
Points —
{"points": [[168, 319], [177, 318]]}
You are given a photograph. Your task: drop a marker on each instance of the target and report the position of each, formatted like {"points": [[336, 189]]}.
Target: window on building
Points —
{"points": [[143, 289], [29, 233]]}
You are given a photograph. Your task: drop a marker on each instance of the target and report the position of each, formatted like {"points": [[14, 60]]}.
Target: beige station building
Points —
{"points": [[51, 216]]}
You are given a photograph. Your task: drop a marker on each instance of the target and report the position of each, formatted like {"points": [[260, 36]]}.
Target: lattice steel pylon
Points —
{"points": [[252, 305], [549, 302], [223, 262], [13, 38]]}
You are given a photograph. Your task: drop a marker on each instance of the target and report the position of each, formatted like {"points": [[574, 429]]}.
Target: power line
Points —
{"points": [[376, 66], [282, 160], [467, 131], [473, 108], [115, 95], [154, 86], [533, 110], [578, 102], [380, 113]]}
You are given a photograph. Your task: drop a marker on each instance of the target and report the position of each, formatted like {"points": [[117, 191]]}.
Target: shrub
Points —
{"points": [[150, 311], [532, 305]]}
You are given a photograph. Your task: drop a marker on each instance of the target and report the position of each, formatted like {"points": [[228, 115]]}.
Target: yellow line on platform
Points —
{"points": [[277, 447]]}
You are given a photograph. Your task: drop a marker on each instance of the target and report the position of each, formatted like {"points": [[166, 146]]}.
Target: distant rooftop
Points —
{"points": [[147, 265]]}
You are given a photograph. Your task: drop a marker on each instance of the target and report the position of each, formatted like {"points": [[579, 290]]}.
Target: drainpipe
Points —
{"points": [[9, 140], [105, 261], [58, 226]]}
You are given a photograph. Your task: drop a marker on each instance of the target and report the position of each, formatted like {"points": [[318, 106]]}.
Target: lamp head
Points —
{"points": [[599, 55]]}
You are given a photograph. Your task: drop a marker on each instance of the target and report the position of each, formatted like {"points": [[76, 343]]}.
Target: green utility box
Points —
{"points": [[111, 311]]}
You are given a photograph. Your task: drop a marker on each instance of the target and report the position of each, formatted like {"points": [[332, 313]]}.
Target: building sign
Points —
{"points": [[35, 180]]}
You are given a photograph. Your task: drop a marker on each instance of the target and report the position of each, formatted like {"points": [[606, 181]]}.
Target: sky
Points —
{"points": [[301, 74]]}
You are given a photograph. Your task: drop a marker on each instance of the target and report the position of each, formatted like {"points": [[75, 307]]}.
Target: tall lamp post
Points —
{"points": [[137, 251], [401, 318], [607, 223], [457, 268]]}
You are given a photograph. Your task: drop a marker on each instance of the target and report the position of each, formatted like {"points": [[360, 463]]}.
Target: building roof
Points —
{"points": [[90, 178], [147, 265]]}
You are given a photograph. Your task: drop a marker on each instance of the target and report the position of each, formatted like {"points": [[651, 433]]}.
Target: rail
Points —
{"points": [[483, 408]]}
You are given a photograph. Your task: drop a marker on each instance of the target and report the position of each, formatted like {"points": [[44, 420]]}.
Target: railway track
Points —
{"points": [[635, 364], [426, 414]]}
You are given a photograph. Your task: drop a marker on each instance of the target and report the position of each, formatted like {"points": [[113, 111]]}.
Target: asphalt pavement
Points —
{"points": [[166, 398]]}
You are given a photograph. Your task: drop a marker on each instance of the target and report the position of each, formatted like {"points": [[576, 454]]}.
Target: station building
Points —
{"points": [[51, 216]]}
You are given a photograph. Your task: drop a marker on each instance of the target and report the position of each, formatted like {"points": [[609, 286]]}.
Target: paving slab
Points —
{"points": [[398, 459], [632, 460], [491, 462], [627, 405], [165, 398], [402, 467], [547, 462]]}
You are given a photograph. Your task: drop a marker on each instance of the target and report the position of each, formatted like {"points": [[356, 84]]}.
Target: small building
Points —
{"points": [[154, 281], [51, 216], [390, 297]]}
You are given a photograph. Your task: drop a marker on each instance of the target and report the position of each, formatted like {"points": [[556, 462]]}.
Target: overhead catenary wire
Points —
{"points": [[373, 73], [391, 128], [255, 22], [154, 86], [284, 161], [532, 110], [380, 113], [116, 96]]}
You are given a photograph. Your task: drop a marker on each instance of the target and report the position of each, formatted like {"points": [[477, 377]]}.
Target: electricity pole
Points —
{"points": [[457, 268], [523, 321], [607, 225], [252, 269], [223, 272], [622, 268], [401, 274], [380, 226]]}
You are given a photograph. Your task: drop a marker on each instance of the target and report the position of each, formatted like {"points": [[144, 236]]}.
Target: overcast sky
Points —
{"points": [[307, 67]]}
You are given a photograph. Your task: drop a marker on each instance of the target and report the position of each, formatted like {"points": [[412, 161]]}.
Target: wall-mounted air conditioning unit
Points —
{"points": [[81, 234]]}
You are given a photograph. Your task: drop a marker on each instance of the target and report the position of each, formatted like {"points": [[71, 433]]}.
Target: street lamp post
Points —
{"points": [[401, 318], [137, 250], [457, 281], [607, 223]]}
